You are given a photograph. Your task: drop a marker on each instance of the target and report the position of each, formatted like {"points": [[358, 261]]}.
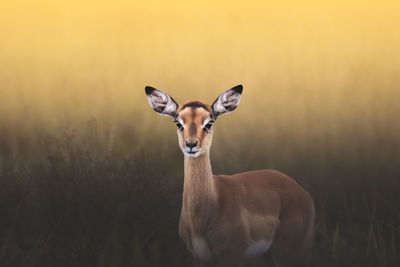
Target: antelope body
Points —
{"points": [[233, 219]]}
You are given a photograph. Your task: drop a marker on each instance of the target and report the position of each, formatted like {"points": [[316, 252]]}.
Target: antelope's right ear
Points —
{"points": [[161, 102]]}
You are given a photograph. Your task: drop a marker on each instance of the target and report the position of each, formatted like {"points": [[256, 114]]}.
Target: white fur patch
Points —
{"points": [[200, 249], [205, 123], [181, 122], [192, 155], [257, 248]]}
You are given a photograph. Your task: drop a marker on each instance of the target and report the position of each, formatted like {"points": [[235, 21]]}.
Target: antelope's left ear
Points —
{"points": [[227, 101], [161, 102]]}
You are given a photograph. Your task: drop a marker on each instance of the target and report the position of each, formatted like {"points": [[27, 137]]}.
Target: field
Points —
{"points": [[91, 176]]}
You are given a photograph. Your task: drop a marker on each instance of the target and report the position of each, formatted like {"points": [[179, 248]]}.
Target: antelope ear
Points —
{"points": [[161, 102], [227, 101]]}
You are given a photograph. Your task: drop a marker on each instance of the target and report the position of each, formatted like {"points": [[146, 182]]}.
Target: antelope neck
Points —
{"points": [[198, 185]]}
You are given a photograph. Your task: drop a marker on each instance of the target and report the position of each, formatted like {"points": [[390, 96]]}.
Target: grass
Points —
{"points": [[85, 205]]}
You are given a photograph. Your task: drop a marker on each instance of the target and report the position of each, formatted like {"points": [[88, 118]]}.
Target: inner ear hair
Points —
{"points": [[227, 101], [161, 102]]}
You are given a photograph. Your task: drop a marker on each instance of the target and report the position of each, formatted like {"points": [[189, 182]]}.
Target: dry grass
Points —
{"points": [[84, 206]]}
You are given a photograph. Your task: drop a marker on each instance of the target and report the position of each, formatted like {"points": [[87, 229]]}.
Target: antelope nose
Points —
{"points": [[191, 144]]}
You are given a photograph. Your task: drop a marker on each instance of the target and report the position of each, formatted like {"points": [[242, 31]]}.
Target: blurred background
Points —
{"points": [[91, 176]]}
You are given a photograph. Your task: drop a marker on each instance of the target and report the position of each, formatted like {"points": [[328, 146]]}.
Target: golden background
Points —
{"points": [[309, 69]]}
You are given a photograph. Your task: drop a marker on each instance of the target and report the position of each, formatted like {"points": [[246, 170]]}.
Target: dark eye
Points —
{"points": [[207, 127], [180, 127]]}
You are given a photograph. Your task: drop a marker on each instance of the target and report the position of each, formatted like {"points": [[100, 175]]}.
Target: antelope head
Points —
{"points": [[194, 118]]}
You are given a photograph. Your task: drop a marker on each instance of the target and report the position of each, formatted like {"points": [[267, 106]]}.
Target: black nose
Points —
{"points": [[191, 145]]}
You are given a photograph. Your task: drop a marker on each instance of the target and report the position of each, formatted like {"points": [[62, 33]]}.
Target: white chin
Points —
{"points": [[192, 155]]}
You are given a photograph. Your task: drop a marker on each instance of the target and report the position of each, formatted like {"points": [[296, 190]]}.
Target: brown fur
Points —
{"points": [[231, 212], [195, 104], [223, 215]]}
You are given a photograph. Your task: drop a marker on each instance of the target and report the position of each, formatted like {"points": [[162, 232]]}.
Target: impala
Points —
{"points": [[234, 219]]}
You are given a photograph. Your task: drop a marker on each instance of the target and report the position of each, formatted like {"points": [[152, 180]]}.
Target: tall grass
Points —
{"points": [[88, 204]]}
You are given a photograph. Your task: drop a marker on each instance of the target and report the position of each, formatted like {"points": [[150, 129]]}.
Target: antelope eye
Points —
{"points": [[208, 126], [179, 125]]}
